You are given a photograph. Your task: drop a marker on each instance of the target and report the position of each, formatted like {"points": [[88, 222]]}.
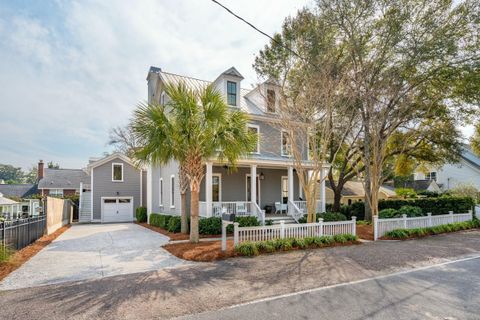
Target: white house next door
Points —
{"points": [[117, 209]]}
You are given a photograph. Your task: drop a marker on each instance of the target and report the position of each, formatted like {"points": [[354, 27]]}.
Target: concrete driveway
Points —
{"points": [[93, 251]]}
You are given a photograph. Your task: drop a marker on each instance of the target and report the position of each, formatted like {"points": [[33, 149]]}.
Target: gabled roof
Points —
{"points": [[6, 201], [470, 157], [18, 190], [420, 185], [247, 104], [233, 72], [63, 179], [111, 157]]}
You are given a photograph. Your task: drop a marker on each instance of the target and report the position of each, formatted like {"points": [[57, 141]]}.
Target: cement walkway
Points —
{"points": [[93, 251]]}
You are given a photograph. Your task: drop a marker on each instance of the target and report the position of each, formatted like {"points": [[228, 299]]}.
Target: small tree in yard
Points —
{"points": [[191, 128]]}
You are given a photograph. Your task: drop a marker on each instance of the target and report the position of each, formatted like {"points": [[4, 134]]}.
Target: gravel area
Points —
{"points": [[209, 286]]}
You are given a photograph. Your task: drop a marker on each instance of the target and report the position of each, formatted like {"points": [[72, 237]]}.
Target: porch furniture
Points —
{"points": [[268, 209], [279, 207], [241, 208]]}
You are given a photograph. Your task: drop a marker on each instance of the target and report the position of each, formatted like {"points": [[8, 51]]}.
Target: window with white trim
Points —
{"points": [[172, 191], [271, 100], [431, 176], [162, 98], [117, 172], [286, 144], [55, 192], [255, 129], [160, 192], [232, 93]]}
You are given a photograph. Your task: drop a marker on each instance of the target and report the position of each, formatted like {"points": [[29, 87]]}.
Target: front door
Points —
{"points": [[249, 195]]}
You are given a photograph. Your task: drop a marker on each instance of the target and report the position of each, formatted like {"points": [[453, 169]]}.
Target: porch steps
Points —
{"points": [[276, 220], [84, 214]]}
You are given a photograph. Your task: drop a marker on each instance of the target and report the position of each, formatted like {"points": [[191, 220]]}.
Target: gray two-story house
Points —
{"points": [[264, 181]]}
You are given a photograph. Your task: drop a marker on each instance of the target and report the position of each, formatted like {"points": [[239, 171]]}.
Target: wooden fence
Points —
{"points": [[382, 226], [297, 230]]}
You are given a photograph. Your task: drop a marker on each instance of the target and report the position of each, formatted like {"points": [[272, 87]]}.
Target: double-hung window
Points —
{"points": [[117, 172], [255, 129], [431, 176], [232, 93], [55, 192], [172, 191], [286, 144], [160, 192]]}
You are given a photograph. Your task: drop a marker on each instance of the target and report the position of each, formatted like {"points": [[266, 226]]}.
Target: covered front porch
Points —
{"points": [[275, 191]]}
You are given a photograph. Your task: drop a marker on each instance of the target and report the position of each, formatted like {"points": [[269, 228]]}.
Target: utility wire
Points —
{"points": [[263, 33]]}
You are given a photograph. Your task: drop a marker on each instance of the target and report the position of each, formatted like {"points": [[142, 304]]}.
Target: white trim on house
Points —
{"points": [[160, 192], [91, 195], [256, 126], [110, 158], [259, 189], [172, 191], [113, 166]]}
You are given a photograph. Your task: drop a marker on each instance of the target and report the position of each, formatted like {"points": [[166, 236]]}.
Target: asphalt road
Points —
{"points": [[447, 291], [205, 287]]}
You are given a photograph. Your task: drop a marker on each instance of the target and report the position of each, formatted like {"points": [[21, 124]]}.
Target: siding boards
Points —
{"points": [[104, 187]]}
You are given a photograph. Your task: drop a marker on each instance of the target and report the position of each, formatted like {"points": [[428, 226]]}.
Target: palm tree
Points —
{"points": [[191, 128]]}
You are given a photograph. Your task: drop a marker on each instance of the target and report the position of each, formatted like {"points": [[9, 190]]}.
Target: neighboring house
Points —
{"points": [[465, 171], [354, 191], [60, 182], [422, 185], [112, 191], [274, 182], [23, 191]]}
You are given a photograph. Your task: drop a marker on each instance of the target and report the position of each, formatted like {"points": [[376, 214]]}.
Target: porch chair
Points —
{"points": [[279, 207], [241, 209]]}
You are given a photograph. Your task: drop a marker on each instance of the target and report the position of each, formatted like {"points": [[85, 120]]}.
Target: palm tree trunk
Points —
{"points": [[194, 237], [184, 228]]}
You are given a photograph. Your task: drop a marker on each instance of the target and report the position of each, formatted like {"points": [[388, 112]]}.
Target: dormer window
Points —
{"points": [[232, 93], [271, 100]]}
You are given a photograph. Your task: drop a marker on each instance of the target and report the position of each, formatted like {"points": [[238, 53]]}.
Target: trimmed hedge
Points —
{"points": [[269, 246], [409, 211], [141, 214], [327, 216], [209, 226], [420, 232], [436, 206]]}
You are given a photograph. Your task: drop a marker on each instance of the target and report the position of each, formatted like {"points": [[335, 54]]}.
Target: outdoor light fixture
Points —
{"points": [[262, 176], [118, 193]]}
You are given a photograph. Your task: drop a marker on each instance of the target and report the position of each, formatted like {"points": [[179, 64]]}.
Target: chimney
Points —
{"points": [[40, 170]]}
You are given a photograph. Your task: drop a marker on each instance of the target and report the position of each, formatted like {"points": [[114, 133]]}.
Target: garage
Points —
{"points": [[117, 209]]}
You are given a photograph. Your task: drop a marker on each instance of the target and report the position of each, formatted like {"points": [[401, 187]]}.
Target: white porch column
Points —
{"points": [[290, 184], [208, 189], [322, 190], [253, 183]]}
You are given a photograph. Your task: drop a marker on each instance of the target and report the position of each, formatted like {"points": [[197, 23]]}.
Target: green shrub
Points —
{"points": [[141, 214], [327, 217], [410, 211], [212, 225], [247, 249], [269, 222], [419, 232], [387, 213], [160, 220], [174, 224], [406, 192]]}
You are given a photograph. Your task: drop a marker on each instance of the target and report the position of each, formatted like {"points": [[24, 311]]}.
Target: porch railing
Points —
{"points": [[302, 205], [294, 211], [239, 208]]}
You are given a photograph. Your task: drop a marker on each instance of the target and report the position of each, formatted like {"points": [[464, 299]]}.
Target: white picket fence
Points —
{"points": [[296, 230], [382, 226]]}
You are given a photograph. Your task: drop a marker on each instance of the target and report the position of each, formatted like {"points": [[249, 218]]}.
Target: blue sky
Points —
{"points": [[71, 70]]}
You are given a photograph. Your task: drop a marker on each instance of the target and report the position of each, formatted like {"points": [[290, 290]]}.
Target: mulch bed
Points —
{"points": [[175, 236], [212, 250], [23, 255], [365, 231], [203, 251]]}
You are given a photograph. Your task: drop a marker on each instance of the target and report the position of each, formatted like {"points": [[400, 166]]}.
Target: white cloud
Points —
{"points": [[67, 77]]}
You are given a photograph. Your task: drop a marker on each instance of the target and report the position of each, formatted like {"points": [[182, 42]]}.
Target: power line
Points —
{"points": [[263, 33]]}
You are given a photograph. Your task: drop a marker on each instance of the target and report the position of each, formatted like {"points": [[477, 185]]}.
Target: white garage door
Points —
{"points": [[117, 209]]}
